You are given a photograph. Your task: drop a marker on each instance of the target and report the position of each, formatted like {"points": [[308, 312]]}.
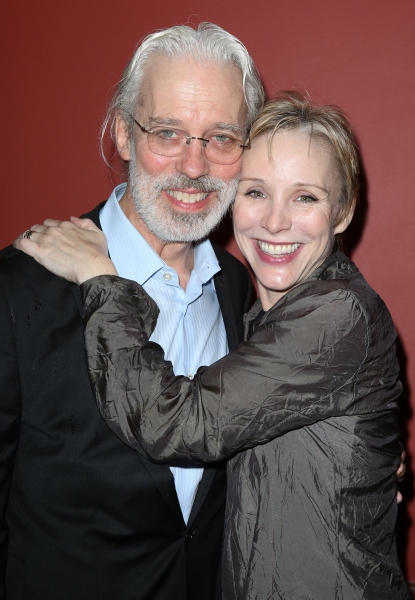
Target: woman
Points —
{"points": [[306, 408]]}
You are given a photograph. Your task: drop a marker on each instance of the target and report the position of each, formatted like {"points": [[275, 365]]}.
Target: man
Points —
{"points": [[84, 516]]}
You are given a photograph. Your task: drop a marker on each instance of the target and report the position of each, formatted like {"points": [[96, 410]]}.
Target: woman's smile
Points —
{"points": [[277, 253]]}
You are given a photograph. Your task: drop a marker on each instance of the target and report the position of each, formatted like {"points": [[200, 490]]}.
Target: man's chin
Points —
{"points": [[185, 227]]}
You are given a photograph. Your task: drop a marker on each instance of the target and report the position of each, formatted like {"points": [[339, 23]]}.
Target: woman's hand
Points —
{"points": [[75, 249], [400, 473]]}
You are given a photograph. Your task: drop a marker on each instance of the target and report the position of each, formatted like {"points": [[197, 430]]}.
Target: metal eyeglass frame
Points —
{"points": [[189, 138]]}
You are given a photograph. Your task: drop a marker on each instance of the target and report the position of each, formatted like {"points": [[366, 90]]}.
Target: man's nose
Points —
{"points": [[193, 162]]}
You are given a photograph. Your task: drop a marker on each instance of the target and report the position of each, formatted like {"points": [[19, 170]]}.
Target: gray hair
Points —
{"points": [[207, 42]]}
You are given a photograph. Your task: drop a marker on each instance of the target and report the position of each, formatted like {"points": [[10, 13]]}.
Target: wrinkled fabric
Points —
{"points": [[305, 410]]}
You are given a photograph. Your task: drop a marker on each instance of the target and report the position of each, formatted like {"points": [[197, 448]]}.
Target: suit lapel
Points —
{"points": [[222, 291], [163, 479], [94, 214], [209, 473]]}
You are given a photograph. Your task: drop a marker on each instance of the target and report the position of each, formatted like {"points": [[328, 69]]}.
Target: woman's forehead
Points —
{"points": [[288, 151]]}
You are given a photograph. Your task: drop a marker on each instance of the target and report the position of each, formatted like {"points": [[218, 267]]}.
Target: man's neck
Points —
{"points": [[178, 256]]}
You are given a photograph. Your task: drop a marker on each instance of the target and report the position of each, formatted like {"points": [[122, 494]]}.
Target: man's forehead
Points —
{"points": [[182, 84], [163, 64]]}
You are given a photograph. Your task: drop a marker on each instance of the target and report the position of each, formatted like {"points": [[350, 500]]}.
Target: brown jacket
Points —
{"points": [[306, 410]]}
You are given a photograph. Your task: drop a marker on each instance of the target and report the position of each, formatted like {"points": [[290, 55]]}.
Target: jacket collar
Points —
{"points": [[336, 266]]}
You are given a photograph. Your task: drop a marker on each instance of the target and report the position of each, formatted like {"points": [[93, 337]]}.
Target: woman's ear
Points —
{"points": [[122, 137], [345, 221]]}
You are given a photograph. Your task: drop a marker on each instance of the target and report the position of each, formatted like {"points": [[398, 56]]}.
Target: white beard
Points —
{"points": [[167, 224]]}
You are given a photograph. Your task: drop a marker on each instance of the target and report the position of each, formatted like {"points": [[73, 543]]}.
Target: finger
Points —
{"points": [[52, 222], [399, 497], [84, 223], [29, 233], [32, 235], [58, 223], [400, 473], [401, 468], [27, 246]]}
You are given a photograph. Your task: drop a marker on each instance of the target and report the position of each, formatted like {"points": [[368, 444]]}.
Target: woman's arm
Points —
{"points": [[304, 366]]}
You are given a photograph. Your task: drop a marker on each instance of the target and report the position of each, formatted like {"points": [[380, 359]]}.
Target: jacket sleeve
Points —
{"points": [[10, 408], [304, 367]]}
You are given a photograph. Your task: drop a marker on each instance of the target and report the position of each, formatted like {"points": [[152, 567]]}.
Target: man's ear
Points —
{"points": [[122, 137]]}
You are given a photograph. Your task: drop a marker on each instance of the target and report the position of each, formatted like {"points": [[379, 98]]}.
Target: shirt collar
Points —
{"points": [[124, 242]]}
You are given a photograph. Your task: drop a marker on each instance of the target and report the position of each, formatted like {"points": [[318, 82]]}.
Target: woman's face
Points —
{"points": [[285, 210]]}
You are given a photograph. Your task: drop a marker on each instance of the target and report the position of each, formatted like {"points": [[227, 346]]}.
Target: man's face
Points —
{"points": [[183, 198]]}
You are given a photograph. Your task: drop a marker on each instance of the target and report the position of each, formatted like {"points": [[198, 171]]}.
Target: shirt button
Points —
{"points": [[166, 276]]}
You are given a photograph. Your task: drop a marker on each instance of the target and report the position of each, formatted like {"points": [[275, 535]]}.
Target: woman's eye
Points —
{"points": [[255, 194], [307, 199]]}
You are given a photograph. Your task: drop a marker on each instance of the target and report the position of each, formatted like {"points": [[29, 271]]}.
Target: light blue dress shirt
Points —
{"points": [[190, 326]]}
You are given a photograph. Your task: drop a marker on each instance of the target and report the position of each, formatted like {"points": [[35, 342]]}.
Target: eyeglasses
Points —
{"points": [[219, 147]]}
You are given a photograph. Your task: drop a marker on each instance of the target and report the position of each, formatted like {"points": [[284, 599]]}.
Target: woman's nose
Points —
{"points": [[277, 218]]}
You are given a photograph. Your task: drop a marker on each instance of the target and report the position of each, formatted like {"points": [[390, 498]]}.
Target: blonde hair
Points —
{"points": [[293, 110]]}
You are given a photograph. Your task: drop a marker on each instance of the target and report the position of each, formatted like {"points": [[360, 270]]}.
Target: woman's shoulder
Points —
{"points": [[336, 297], [337, 283]]}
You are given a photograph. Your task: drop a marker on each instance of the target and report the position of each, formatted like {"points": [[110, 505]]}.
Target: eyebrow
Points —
{"points": [[178, 123], [297, 185], [165, 121], [228, 127], [314, 185], [256, 179]]}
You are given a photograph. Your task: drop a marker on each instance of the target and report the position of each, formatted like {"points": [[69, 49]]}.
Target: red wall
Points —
{"points": [[60, 60]]}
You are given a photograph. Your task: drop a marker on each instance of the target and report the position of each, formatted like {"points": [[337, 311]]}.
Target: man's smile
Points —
{"points": [[188, 197]]}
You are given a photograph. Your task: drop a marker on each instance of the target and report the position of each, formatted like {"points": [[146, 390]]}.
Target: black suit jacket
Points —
{"points": [[84, 516]]}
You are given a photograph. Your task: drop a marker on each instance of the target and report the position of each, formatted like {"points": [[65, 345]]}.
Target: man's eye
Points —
{"points": [[221, 138], [166, 134], [307, 199]]}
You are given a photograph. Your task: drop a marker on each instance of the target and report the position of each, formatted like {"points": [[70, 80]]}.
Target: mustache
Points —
{"points": [[204, 183]]}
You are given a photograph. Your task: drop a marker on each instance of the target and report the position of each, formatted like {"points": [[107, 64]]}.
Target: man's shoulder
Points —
{"points": [[94, 214], [17, 267], [21, 276], [13, 261]]}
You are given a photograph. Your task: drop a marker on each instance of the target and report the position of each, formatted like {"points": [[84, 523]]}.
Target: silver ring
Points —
{"points": [[28, 233]]}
